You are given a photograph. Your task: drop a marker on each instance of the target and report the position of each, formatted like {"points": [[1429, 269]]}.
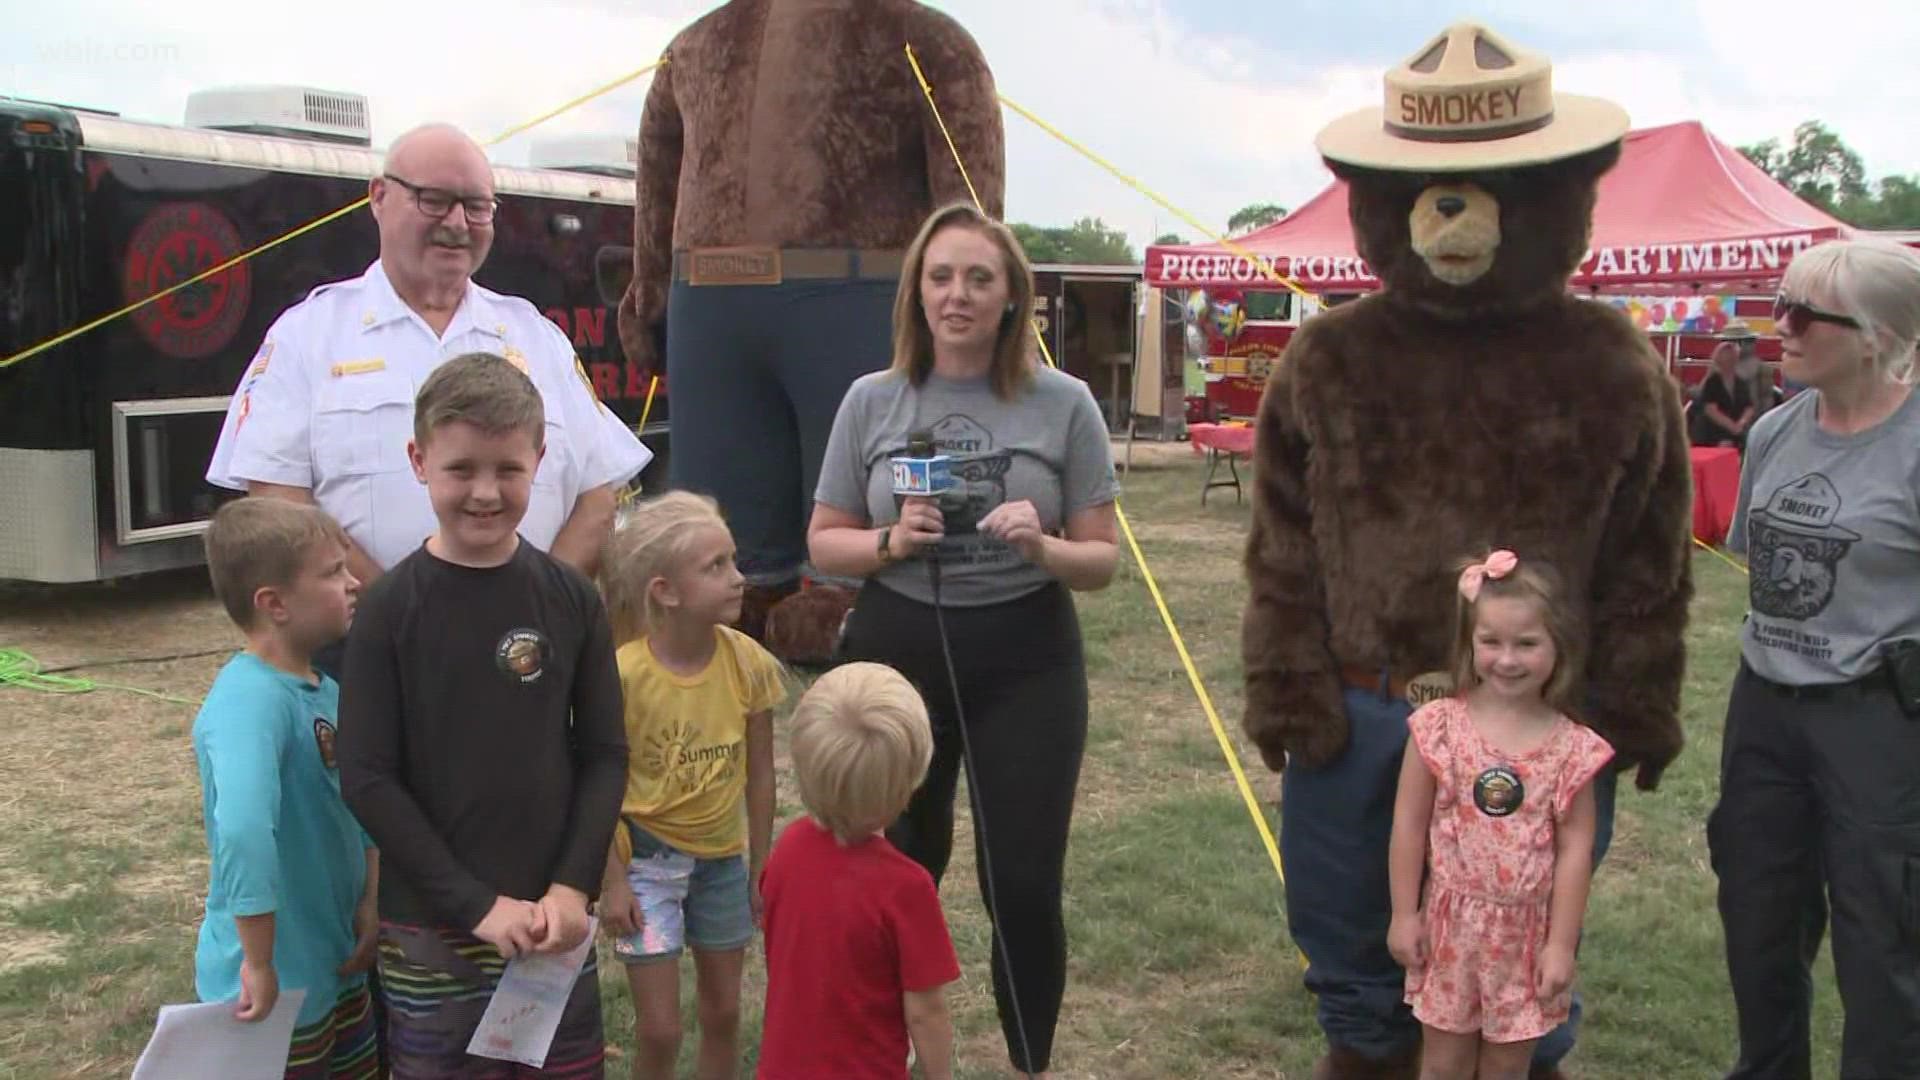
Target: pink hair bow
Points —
{"points": [[1498, 565]]}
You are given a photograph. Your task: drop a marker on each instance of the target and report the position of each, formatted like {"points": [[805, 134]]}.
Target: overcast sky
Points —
{"points": [[1214, 103]]}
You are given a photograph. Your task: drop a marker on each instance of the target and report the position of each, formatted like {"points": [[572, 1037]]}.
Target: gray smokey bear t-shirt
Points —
{"points": [[1049, 446], [1830, 525]]}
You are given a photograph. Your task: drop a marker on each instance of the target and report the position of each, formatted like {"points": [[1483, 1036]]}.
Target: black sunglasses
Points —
{"points": [[438, 203], [1801, 313]]}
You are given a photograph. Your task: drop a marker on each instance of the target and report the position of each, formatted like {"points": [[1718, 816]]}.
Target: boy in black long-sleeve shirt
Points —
{"points": [[481, 741]]}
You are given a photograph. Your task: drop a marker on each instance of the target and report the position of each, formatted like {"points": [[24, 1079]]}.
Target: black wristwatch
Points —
{"points": [[886, 556]]}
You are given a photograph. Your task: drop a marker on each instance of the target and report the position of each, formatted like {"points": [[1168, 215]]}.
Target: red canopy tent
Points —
{"points": [[1681, 211]]}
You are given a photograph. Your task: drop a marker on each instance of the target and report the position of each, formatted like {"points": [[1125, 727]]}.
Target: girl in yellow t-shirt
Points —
{"points": [[700, 790]]}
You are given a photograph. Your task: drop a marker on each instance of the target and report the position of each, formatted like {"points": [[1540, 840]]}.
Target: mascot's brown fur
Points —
{"points": [[1471, 404], [798, 124]]}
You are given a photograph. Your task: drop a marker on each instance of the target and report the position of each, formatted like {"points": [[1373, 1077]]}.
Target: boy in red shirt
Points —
{"points": [[858, 954]]}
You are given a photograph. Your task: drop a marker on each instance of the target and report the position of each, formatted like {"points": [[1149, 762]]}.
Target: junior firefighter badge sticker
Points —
{"points": [[323, 742], [522, 655], [1498, 791]]}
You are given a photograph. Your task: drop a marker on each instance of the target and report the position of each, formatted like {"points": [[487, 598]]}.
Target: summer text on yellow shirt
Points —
{"points": [[687, 744]]}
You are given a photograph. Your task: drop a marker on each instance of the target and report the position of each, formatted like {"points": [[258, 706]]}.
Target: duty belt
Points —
{"points": [[771, 266]]}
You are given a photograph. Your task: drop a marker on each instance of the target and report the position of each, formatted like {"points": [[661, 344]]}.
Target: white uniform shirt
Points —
{"points": [[328, 405]]}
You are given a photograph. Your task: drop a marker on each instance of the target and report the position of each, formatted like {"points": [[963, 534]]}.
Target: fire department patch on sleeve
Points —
{"points": [[580, 369]]}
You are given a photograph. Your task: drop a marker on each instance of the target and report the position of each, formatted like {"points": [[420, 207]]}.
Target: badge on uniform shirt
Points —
{"points": [[518, 359], [522, 655], [323, 741], [1498, 791]]}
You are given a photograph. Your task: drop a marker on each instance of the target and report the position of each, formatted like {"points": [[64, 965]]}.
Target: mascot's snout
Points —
{"points": [[1456, 229]]}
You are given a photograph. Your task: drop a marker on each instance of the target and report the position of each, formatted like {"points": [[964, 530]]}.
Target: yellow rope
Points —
{"points": [[927, 89], [1159, 601], [69, 335], [1718, 554], [1274, 275], [652, 385]]}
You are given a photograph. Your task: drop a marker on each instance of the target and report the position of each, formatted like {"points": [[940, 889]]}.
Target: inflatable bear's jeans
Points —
{"points": [[755, 376], [1336, 824]]}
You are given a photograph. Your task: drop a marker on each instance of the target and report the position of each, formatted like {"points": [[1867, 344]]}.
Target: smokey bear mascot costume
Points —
{"points": [[1471, 404], [787, 158]]}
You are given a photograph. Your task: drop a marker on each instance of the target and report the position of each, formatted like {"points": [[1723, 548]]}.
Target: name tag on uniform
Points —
{"points": [[357, 367]]}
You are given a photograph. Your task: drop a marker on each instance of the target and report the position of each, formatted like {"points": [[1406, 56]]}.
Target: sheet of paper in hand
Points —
{"points": [[525, 1011], [193, 1042]]}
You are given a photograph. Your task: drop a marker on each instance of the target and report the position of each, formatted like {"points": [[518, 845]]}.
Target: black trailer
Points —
{"points": [[105, 439]]}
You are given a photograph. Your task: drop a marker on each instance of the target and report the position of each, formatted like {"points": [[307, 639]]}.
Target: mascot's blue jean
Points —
{"points": [[755, 376], [1335, 826]]}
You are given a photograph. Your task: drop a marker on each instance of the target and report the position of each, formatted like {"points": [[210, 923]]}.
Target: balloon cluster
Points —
{"points": [[1707, 316], [1225, 318]]}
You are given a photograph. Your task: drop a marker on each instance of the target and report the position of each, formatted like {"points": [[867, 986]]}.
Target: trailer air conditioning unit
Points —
{"points": [[601, 155], [293, 112]]}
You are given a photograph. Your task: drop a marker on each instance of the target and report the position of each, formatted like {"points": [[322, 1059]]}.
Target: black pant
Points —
{"points": [[1023, 688], [1820, 803]]}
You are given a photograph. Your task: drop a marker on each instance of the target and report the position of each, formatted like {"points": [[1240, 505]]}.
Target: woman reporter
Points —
{"points": [[1030, 517]]}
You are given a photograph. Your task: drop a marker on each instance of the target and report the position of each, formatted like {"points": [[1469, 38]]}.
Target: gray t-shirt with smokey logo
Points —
{"points": [[1049, 447], [1830, 525]]}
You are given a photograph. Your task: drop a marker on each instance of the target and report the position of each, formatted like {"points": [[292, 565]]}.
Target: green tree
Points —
{"points": [[1819, 167], [1169, 238], [1089, 240], [1896, 205], [1254, 216]]}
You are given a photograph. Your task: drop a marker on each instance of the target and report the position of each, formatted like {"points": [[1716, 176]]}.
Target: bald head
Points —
{"points": [[432, 144]]}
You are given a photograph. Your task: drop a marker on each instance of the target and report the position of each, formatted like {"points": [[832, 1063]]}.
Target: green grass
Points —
{"points": [[1180, 961]]}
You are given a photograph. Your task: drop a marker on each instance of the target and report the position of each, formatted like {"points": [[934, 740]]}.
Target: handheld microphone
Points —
{"points": [[921, 471]]}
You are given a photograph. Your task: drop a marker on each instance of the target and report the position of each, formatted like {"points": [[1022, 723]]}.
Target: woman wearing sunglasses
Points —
{"points": [[1820, 771]]}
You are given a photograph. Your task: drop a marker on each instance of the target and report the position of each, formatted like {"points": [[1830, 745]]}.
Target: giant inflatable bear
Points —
{"points": [[1470, 404], [787, 158]]}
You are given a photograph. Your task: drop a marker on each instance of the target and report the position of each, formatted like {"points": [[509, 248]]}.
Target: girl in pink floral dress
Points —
{"points": [[1496, 813]]}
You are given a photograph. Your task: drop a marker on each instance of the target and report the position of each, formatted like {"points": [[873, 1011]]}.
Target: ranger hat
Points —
{"points": [[1470, 99]]}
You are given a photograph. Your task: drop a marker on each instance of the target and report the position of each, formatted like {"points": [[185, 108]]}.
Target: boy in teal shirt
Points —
{"points": [[290, 896]]}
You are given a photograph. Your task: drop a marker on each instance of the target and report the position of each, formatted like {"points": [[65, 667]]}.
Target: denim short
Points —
{"points": [[684, 901]]}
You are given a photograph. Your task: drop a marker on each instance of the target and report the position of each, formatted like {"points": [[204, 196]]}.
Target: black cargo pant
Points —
{"points": [[1820, 805]]}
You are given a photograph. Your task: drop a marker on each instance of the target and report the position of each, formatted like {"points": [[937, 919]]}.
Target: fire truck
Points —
{"points": [[105, 438]]}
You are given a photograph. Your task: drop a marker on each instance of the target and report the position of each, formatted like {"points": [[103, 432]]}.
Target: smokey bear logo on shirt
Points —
{"points": [[1796, 549]]}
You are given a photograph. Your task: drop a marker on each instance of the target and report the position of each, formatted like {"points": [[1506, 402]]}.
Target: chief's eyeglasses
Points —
{"points": [[438, 202], [1801, 313]]}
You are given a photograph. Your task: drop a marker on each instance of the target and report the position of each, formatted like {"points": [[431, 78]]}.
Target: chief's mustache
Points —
{"points": [[455, 238]]}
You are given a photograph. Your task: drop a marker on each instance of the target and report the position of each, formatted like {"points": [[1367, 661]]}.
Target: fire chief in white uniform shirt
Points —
{"points": [[324, 412]]}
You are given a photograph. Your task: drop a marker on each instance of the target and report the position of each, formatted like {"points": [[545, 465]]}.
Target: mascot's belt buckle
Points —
{"points": [[733, 266], [1428, 686]]}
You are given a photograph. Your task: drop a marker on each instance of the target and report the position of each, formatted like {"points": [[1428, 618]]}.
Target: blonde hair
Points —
{"points": [[484, 390], [1529, 580], [1013, 350], [1874, 281], [260, 542], [861, 745], [651, 539]]}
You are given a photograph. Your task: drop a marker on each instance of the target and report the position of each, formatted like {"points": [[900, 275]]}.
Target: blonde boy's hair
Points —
{"points": [[259, 542], [861, 745], [649, 540]]}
